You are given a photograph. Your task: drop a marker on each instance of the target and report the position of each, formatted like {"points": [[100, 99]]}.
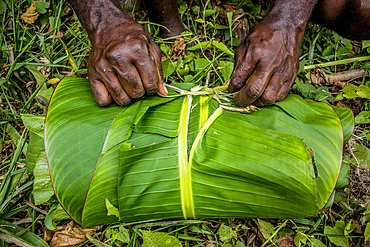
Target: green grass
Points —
{"points": [[34, 57]]}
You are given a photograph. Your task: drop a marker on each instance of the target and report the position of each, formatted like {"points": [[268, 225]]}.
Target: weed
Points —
{"points": [[35, 56]]}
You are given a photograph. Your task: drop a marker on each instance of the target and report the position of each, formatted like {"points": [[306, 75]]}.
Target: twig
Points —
{"points": [[348, 207], [22, 221], [36, 208], [190, 4], [347, 75], [13, 240], [247, 109]]}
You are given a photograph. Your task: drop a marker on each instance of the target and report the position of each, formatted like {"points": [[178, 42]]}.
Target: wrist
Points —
{"points": [[96, 16], [291, 16]]}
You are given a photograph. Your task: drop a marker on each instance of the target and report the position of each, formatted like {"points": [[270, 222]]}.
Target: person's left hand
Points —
{"points": [[266, 64]]}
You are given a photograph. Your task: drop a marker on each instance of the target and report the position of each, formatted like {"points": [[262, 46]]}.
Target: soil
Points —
{"points": [[357, 191]]}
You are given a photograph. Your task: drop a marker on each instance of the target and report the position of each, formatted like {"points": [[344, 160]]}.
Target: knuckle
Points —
{"points": [[90, 72], [238, 77], [103, 102], [269, 98], [240, 50], [240, 99], [138, 47], [255, 90], [156, 49], [273, 58], [152, 86], [257, 51], [139, 29], [116, 54], [123, 99], [123, 102], [275, 85], [100, 66], [255, 34], [235, 84], [137, 93], [131, 77], [116, 88], [281, 96]]}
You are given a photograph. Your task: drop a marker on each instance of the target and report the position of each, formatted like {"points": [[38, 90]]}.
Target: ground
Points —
{"points": [[43, 42]]}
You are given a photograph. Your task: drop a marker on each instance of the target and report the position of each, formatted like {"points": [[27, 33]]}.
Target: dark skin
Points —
{"points": [[266, 63], [124, 63]]}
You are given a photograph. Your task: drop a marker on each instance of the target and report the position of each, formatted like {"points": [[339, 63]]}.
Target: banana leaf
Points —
{"points": [[186, 156]]}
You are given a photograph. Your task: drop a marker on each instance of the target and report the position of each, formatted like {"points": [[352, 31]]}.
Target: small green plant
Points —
{"points": [[363, 92], [34, 57], [309, 91], [352, 91]]}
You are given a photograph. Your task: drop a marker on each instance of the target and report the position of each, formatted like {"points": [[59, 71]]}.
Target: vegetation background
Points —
{"points": [[43, 41]]}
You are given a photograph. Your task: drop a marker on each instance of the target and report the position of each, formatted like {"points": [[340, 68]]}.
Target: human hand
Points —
{"points": [[124, 64], [266, 64]]}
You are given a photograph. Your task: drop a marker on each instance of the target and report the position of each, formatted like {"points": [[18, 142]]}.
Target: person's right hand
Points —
{"points": [[124, 64], [266, 64]]}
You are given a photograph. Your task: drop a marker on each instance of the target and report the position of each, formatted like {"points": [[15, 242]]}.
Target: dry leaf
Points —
{"points": [[69, 235], [178, 48], [44, 70], [48, 234], [60, 34], [240, 23], [318, 78], [287, 241], [358, 229], [31, 14], [341, 84], [53, 81], [341, 104]]}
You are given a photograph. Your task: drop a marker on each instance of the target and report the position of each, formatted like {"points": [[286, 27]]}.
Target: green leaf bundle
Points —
{"points": [[186, 157]]}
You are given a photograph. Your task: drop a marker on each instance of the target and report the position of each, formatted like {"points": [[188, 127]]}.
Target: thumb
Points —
{"points": [[162, 89]]}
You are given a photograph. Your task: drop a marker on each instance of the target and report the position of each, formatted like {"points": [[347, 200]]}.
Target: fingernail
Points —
{"points": [[227, 82], [162, 89]]}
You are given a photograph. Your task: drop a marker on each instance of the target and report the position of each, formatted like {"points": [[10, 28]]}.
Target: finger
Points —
{"points": [[259, 103], [100, 92], [253, 89], [270, 94], [163, 89], [227, 83], [115, 88], [242, 71], [149, 70], [239, 53], [157, 56], [130, 80], [285, 89]]}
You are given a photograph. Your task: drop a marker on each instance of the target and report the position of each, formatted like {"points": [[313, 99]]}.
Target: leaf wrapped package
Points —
{"points": [[185, 157]]}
